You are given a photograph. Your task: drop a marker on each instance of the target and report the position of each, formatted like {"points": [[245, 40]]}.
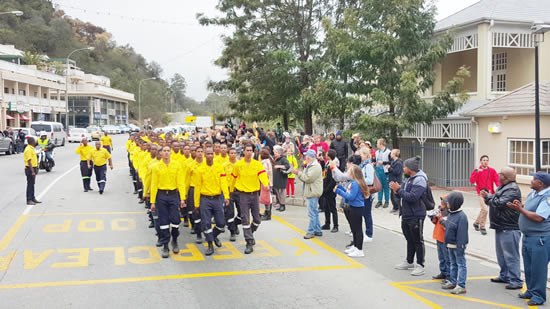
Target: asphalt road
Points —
{"points": [[86, 250]]}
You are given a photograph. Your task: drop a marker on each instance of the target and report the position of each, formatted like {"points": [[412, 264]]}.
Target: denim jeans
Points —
{"points": [[313, 214], [458, 266], [385, 192], [443, 255], [507, 249], [48, 156], [367, 215], [535, 252]]}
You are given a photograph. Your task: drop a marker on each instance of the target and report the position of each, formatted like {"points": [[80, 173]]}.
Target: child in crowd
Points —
{"points": [[456, 239], [291, 177], [438, 216]]}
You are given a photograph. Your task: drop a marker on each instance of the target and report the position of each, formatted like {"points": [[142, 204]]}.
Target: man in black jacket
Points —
{"points": [[504, 221], [341, 148], [327, 201]]}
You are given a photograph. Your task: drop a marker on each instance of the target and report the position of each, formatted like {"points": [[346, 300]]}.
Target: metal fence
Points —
{"points": [[446, 164]]}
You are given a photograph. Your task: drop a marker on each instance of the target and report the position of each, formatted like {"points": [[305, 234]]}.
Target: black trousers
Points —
{"points": [[212, 208], [30, 182], [229, 212], [101, 176], [193, 214], [134, 175], [395, 201], [167, 207], [328, 204], [86, 173], [356, 222], [250, 207], [413, 230]]}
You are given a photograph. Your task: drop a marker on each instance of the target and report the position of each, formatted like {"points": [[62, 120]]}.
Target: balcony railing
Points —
{"points": [[34, 102], [93, 89], [15, 68]]}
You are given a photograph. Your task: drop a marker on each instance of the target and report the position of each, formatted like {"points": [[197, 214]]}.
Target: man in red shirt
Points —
{"points": [[319, 143], [485, 178]]}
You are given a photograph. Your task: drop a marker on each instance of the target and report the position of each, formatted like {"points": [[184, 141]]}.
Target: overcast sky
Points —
{"points": [[186, 48]]}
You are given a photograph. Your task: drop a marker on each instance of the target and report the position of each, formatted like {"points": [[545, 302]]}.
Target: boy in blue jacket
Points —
{"points": [[456, 239]]}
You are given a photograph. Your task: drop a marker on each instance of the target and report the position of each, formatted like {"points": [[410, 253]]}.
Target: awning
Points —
{"points": [[24, 118], [8, 117]]}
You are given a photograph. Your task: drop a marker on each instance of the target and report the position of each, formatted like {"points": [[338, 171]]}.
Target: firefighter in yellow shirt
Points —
{"points": [[223, 157], [107, 142], [84, 150], [211, 192], [167, 194], [248, 174], [99, 157], [185, 164], [230, 219], [153, 216], [191, 179], [31, 168]]}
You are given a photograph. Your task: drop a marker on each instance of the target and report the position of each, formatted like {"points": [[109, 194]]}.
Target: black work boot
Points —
{"points": [[233, 237], [282, 208], [159, 244], [199, 238], [210, 249], [175, 247], [165, 251], [249, 247], [217, 242], [267, 214]]}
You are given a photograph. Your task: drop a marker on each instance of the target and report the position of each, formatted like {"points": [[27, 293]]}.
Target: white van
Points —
{"points": [[55, 131]]}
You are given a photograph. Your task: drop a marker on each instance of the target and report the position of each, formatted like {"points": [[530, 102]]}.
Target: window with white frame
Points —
{"points": [[499, 66], [521, 155]]}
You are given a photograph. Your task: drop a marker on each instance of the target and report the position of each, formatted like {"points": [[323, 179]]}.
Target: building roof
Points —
{"points": [[518, 102], [467, 107], [524, 11]]}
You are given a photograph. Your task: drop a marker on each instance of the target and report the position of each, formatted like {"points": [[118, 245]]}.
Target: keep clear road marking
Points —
{"points": [[352, 264], [8, 237]]}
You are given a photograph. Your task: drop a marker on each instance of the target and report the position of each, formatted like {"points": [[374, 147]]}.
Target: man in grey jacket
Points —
{"points": [[504, 221], [312, 177]]}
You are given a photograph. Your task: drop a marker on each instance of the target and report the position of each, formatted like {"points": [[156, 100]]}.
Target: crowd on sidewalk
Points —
{"points": [[222, 175]]}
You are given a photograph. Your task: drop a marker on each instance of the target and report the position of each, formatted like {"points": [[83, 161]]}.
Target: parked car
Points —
{"points": [[29, 132], [124, 129], [55, 131], [95, 132], [111, 129], [133, 127], [76, 135], [7, 144]]}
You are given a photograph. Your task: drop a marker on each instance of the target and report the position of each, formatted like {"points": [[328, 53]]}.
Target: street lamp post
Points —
{"points": [[139, 96], [67, 85], [539, 29], [16, 13]]}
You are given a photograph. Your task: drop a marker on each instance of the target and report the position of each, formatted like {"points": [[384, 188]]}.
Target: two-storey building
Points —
{"points": [[494, 39]]}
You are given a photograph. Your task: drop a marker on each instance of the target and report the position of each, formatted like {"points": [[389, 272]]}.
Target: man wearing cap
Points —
{"points": [[341, 148], [312, 177], [504, 221], [534, 224], [413, 213]]}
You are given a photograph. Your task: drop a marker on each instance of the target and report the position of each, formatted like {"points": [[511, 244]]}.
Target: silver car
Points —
{"points": [[7, 144]]}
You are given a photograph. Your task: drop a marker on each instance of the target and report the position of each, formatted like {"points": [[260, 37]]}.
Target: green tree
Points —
{"points": [[177, 88], [264, 33]]}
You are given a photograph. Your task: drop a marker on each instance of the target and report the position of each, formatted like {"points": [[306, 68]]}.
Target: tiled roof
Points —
{"points": [[526, 11], [518, 102]]}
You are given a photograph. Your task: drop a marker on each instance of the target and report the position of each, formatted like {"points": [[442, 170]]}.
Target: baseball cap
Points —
{"points": [[542, 176]]}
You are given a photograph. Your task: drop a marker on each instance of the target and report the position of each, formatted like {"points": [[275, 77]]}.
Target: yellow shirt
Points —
{"points": [[143, 164], [106, 141], [29, 154], [100, 156], [221, 160], [191, 176], [228, 166], [148, 174], [128, 143], [84, 152], [211, 180], [248, 175], [166, 178], [294, 163]]}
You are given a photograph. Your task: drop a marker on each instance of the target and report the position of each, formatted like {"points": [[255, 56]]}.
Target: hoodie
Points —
{"points": [[410, 193], [456, 226]]}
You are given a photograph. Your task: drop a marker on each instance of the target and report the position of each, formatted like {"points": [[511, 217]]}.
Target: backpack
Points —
{"points": [[427, 199]]}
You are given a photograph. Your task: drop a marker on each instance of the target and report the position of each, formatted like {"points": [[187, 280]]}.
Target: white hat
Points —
{"points": [[43, 133]]}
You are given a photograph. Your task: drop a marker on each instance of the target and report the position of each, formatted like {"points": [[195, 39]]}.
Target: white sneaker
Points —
{"points": [[356, 253], [349, 233], [404, 266], [367, 239], [350, 249], [418, 270]]}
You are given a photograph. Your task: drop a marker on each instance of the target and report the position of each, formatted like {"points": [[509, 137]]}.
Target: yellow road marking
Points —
{"points": [[461, 297], [169, 277], [416, 296], [89, 213], [320, 243], [8, 237]]}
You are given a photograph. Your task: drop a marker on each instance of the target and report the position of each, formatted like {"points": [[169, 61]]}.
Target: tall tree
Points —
{"points": [[265, 31], [177, 88]]}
